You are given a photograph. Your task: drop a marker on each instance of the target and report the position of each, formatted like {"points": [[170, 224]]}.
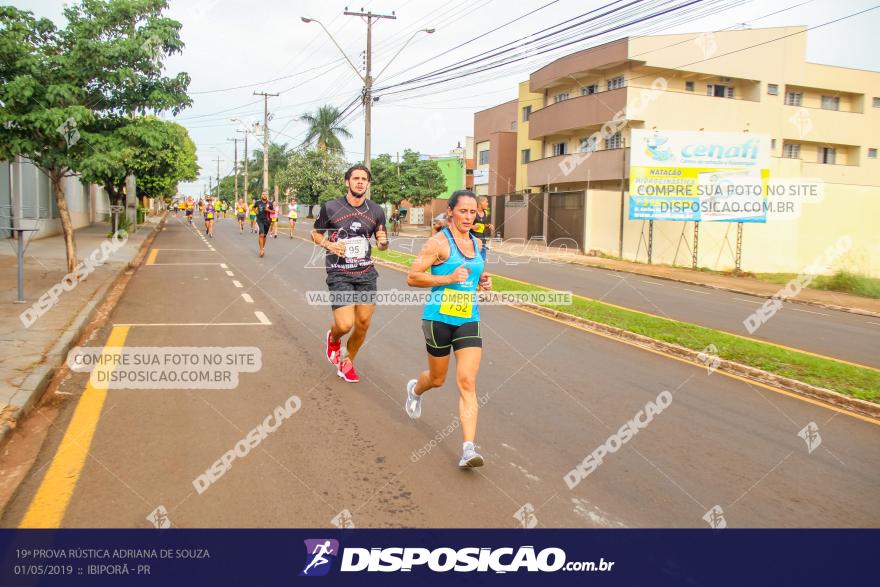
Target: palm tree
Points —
{"points": [[324, 128]]}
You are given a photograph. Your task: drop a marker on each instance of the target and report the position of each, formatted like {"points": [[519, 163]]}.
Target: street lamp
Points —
{"points": [[367, 78]]}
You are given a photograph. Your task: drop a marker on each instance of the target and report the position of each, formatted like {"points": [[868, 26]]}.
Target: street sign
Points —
{"points": [[116, 209]]}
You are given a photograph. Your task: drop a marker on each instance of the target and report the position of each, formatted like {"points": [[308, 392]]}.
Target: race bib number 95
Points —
{"points": [[356, 248]]}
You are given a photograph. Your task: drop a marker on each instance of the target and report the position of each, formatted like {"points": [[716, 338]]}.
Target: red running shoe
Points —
{"points": [[345, 369], [332, 349]]}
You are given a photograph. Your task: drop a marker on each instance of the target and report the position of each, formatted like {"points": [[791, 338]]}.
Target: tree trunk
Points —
{"points": [[310, 214], [56, 177]]}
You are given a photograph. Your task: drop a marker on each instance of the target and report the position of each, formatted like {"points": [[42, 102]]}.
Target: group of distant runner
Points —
{"points": [[261, 215]]}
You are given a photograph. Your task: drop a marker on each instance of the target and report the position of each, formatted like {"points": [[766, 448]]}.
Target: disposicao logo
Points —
{"points": [[320, 554]]}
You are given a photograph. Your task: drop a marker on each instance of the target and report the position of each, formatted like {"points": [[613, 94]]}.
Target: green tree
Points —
{"points": [[386, 184], [89, 79], [159, 153], [325, 129], [421, 179], [314, 176]]}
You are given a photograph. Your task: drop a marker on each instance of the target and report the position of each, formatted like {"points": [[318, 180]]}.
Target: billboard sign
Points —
{"points": [[699, 176]]}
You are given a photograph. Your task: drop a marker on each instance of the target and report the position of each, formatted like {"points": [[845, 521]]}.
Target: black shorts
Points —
{"points": [[348, 290], [189, 212], [440, 337], [263, 223]]}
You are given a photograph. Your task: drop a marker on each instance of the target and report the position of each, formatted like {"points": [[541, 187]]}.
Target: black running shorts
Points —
{"points": [[348, 290], [441, 337], [263, 223]]}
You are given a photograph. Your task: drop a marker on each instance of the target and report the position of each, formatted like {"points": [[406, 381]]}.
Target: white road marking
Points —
{"points": [[247, 298], [262, 318], [705, 293], [747, 301], [810, 312], [874, 323], [653, 283], [236, 283], [223, 266], [230, 274]]}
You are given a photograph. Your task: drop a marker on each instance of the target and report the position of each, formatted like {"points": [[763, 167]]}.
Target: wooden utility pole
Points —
{"points": [[235, 141], [369, 17], [265, 137]]}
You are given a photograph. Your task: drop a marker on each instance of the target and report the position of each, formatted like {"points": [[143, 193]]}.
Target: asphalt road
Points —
{"points": [[552, 394], [843, 335]]}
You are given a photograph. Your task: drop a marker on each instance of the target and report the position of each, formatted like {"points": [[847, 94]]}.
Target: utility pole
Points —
{"points": [[210, 186], [235, 141], [246, 161], [265, 137], [368, 78], [218, 177]]}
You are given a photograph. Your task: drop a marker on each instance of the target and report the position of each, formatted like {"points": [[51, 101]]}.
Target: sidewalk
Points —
{"points": [[744, 285], [30, 355]]}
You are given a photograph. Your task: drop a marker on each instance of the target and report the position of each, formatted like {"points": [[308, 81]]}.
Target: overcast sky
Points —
{"points": [[230, 43]]}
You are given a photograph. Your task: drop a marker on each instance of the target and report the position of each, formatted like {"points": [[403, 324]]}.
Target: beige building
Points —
{"points": [[571, 178]]}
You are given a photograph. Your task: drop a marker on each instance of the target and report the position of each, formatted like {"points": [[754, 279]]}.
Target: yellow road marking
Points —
{"points": [[152, 258], [49, 504]]}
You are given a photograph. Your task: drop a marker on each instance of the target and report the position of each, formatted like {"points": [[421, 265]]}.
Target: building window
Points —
{"points": [[616, 82], [876, 102], [773, 89], [588, 145], [526, 112], [719, 90], [526, 155], [589, 90], [773, 144], [872, 153], [560, 97], [484, 158], [791, 151], [793, 98], [513, 125], [615, 141], [560, 149], [689, 86], [827, 155], [830, 103]]}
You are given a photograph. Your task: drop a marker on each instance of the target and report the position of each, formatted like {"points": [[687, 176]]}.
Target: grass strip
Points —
{"points": [[841, 377]]}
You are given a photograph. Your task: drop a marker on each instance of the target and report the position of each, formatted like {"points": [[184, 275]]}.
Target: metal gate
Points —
{"points": [[536, 216], [496, 213], [565, 226]]}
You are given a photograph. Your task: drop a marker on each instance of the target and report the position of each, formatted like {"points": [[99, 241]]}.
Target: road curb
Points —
{"points": [[826, 396], [37, 382], [827, 306]]}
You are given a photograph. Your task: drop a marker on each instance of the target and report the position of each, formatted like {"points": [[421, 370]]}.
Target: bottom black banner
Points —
{"points": [[434, 557]]}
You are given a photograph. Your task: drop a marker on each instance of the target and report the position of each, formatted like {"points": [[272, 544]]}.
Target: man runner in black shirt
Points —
{"points": [[482, 228], [344, 227], [263, 207]]}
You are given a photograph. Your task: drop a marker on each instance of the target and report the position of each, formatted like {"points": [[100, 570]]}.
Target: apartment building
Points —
{"points": [[574, 116]]}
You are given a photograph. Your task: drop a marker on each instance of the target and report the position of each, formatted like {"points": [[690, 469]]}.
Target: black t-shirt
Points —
{"points": [[263, 209], [479, 229], [355, 225]]}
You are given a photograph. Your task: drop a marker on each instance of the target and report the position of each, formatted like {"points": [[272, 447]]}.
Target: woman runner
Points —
{"points": [[451, 320]]}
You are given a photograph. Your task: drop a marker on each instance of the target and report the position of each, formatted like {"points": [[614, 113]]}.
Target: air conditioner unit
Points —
{"points": [[725, 79]]}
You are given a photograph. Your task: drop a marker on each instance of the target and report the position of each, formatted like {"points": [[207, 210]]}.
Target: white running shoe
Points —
{"points": [[413, 405], [470, 457]]}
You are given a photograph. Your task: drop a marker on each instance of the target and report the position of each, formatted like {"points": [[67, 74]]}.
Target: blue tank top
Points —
{"points": [[456, 303]]}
